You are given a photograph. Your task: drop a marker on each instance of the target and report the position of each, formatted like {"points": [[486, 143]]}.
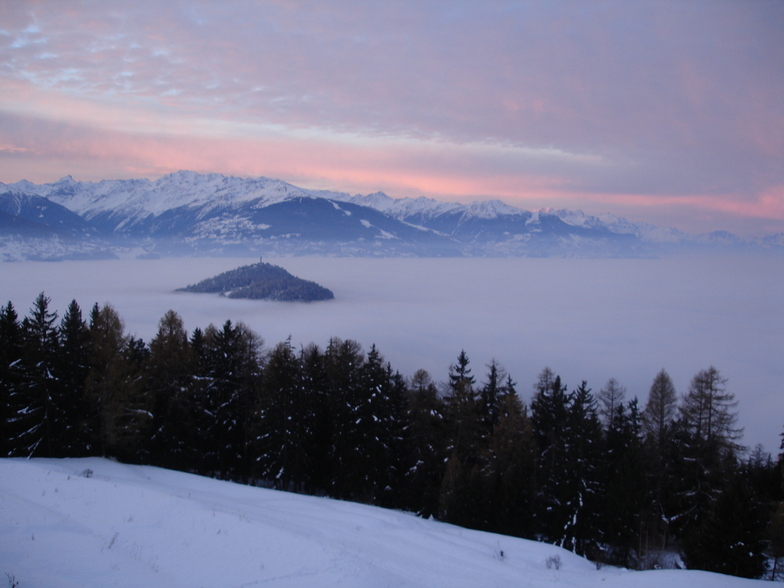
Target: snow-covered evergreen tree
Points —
{"points": [[461, 496], [283, 429], [584, 452], [426, 445], [232, 370], [169, 380], [11, 353], [76, 416], [34, 405], [509, 471]]}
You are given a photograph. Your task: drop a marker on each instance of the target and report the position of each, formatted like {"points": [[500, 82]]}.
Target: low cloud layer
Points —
{"points": [[585, 319], [670, 112]]}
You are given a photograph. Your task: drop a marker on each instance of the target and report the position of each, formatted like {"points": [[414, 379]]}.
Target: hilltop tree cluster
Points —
{"points": [[594, 473], [262, 281]]}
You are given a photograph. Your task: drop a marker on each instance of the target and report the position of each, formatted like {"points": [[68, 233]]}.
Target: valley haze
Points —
{"points": [[589, 319]]}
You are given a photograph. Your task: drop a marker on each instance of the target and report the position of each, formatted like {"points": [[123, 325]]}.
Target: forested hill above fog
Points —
{"points": [[261, 281], [186, 213]]}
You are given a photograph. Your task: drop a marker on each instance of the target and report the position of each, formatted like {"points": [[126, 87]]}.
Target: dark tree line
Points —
{"points": [[595, 473]]}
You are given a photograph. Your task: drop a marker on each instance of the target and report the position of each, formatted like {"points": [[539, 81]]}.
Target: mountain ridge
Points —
{"points": [[187, 213]]}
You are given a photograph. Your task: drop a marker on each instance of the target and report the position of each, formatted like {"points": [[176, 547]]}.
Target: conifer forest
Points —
{"points": [[620, 480]]}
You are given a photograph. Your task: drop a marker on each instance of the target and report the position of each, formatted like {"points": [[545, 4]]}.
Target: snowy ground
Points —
{"points": [[93, 522]]}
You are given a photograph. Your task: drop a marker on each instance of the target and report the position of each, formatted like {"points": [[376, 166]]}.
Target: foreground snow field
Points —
{"points": [[93, 522]]}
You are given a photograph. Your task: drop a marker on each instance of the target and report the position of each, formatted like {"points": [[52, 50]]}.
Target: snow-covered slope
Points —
{"points": [[94, 522], [403, 208], [142, 197], [644, 231]]}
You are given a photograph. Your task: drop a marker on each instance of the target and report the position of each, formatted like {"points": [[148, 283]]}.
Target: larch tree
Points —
{"points": [[609, 399], [115, 387], [658, 421], [709, 412], [707, 448], [661, 409]]}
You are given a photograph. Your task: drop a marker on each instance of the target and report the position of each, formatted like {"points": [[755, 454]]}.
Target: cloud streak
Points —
{"points": [[561, 103]]}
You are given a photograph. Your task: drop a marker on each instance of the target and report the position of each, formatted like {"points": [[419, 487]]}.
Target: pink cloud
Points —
{"points": [[651, 106]]}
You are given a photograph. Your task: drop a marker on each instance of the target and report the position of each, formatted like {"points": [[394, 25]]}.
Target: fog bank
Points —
{"points": [[586, 319]]}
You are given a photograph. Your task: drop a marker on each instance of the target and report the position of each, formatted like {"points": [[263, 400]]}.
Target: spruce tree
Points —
{"points": [[169, 382], [490, 393], [464, 410], [233, 370], [283, 431], [549, 418], [11, 353], [730, 539], [317, 403], [34, 406], [625, 514], [343, 360], [201, 384], [581, 473], [426, 446], [775, 537], [76, 418], [461, 495], [510, 468]]}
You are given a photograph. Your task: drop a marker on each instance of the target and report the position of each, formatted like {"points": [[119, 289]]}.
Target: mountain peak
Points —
{"points": [[213, 212], [489, 209]]}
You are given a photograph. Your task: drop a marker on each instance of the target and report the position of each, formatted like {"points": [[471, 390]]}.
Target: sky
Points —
{"points": [[659, 111]]}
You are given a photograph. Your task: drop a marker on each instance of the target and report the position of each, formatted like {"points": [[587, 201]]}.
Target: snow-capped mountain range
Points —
{"points": [[186, 213]]}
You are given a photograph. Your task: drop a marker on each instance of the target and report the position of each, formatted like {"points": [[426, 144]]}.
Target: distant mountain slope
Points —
{"points": [[41, 212], [262, 281], [187, 213]]}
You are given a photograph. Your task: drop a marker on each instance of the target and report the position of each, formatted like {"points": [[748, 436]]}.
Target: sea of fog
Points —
{"points": [[586, 319]]}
